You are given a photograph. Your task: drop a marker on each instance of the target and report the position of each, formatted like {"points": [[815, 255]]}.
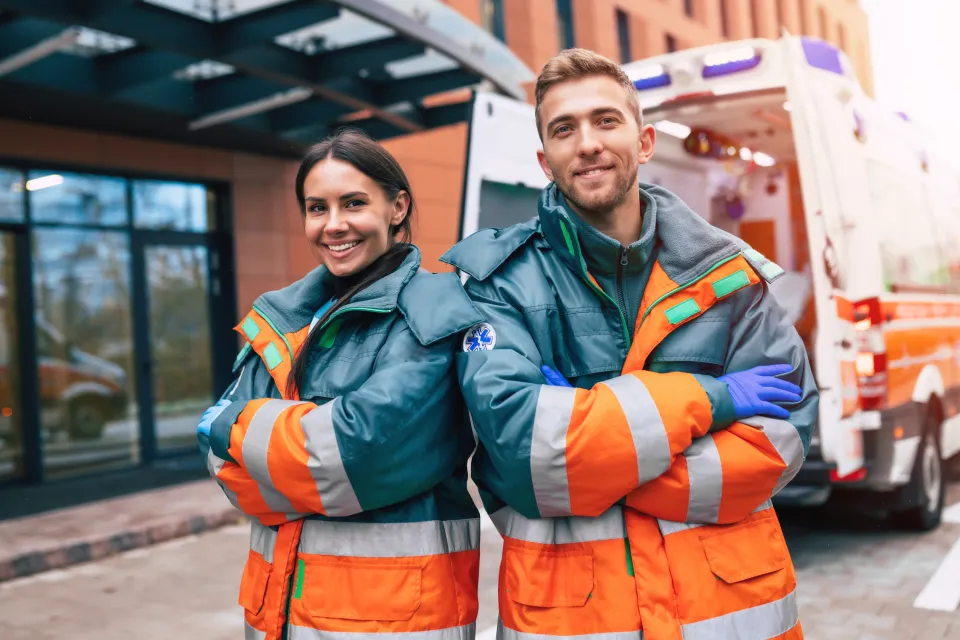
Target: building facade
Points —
{"points": [[125, 260]]}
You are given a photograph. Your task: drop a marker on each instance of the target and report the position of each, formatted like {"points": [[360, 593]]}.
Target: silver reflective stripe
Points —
{"points": [[667, 527], [466, 632], [646, 426], [757, 623], [503, 633], [389, 540], [249, 633], [326, 464], [608, 526], [786, 440], [214, 465], [262, 540], [256, 443], [548, 450], [706, 480]]}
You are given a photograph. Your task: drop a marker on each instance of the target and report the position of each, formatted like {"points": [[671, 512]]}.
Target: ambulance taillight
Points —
{"points": [[871, 359]]}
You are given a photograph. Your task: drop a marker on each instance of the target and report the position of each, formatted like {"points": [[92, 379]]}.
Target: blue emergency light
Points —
{"points": [[733, 61], [652, 77]]}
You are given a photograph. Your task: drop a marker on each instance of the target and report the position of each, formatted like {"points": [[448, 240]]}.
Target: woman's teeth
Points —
{"points": [[339, 248]]}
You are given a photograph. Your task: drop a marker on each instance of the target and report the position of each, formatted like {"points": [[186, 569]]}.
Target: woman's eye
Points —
{"points": [[354, 204]]}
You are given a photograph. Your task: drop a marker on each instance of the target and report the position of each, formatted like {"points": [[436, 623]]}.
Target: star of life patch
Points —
{"points": [[480, 337]]}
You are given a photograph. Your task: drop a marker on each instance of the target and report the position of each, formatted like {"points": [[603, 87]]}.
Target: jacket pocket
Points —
{"points": [[361, 588], [549, 577], [749, 551], [253, 583]]}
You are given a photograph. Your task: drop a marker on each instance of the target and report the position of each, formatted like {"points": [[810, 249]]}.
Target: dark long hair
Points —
{"points": [[369, 158]]}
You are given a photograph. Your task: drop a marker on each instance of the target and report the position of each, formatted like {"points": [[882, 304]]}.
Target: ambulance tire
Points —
{"points": [[927, 487]]}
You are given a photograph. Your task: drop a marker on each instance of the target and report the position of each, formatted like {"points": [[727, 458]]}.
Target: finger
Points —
{"points": [[783, 385], [778, 395], [772, 410], [772, 370]]}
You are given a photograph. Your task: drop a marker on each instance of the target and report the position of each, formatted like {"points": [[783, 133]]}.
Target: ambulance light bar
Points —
{"points": [[732, 61], [652, 77]]}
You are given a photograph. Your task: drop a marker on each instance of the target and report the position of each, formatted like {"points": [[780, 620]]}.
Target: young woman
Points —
{"points": [[344, 435]]}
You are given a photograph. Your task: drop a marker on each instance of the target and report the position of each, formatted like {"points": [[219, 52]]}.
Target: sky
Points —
{"points": [[915, 48]]}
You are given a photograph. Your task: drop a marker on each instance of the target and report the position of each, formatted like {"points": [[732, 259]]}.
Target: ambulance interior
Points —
{"points": [[733, 160]]}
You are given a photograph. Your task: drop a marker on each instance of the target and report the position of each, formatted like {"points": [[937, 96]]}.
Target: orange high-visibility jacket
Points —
{"points": [[633, 504], [362, 523]]}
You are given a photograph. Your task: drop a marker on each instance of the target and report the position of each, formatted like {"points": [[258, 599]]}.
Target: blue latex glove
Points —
{"points": [[211, 414], [554, 377], [755, 390]]}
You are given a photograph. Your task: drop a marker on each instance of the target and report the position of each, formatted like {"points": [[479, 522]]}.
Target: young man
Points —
{"points": [[637, 501]]}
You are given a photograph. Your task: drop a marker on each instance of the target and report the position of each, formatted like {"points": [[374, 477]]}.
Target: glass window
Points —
{"points": [[491, 17], [565, 23], [170, 205], [83, 326], [671, 42], [74, 198], [689, 9], [11, 426], [623, 35], [11, 195], [910, 254]]}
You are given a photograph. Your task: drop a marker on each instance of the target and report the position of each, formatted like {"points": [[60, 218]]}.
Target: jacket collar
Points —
{"points": [[293, 307], [688, 245], [603, 255]]}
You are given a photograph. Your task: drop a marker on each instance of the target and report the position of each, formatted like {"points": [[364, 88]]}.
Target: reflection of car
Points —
{"points": [[79, 392]]}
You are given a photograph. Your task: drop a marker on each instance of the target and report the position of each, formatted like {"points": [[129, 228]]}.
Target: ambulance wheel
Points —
{"points": [[921, 500]]}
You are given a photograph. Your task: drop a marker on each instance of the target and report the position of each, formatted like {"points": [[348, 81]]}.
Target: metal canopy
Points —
{"points": [[270, 76]]}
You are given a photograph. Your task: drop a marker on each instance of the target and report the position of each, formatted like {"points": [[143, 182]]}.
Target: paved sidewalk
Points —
{"points": [[96, 530]]}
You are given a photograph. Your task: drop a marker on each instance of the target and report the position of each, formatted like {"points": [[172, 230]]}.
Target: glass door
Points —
{"points": [[11, 388]]}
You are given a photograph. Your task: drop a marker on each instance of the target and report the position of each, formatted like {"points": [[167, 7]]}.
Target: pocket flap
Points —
{"points": [[361, 589], [549, 577], [746, 551], [253, 583]]}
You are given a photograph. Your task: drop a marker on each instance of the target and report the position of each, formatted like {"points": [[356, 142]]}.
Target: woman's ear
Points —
{"points": [[401, 209]]}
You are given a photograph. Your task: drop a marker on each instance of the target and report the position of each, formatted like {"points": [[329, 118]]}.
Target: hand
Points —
{"points": [[554, 377], [755, 390], [209, 416]]}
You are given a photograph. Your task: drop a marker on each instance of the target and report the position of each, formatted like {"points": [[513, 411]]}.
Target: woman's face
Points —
{"points": [[348, 216]]}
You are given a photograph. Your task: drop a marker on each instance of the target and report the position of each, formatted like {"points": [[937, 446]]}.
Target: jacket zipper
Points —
{"points": [[623, 305]]}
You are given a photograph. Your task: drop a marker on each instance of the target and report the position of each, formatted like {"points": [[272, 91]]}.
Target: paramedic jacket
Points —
{"points": [[634, 501], [357, 489]]}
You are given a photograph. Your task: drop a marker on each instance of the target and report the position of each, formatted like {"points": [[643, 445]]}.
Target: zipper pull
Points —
{"points": [[623, 256]]}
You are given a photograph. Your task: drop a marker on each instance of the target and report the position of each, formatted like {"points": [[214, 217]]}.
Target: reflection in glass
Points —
{"points": [[73, 198], [85, 350], [180, 346], [11, 428], [170, 205], [11, 195]]}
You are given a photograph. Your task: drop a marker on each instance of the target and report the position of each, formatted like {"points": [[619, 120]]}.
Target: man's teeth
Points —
{"points": [[593, 172], [343, 247]]}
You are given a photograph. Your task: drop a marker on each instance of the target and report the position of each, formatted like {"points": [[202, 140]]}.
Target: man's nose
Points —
{"points": [[590, 144]]}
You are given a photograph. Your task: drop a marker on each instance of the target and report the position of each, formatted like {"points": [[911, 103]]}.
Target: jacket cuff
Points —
{"points": [[721, 402], [221, 428]]}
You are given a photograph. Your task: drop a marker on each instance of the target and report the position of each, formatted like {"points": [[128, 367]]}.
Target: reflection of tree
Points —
{"points": [[179, 324]]}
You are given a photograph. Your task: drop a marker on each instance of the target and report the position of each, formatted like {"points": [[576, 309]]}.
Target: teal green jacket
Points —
{"points": [[647, 408]]}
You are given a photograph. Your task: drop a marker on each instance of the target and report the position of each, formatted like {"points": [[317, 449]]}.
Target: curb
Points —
{"points": [[74, 553]]}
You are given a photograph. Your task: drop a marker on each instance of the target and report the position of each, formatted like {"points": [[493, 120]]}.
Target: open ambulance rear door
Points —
{"points": [[823, 94]]}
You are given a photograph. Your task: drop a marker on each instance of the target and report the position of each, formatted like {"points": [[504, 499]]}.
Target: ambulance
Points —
{"points": [[775, 142]]}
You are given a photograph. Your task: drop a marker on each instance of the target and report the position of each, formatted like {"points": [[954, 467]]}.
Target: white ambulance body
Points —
{"points": [[775, 142]]}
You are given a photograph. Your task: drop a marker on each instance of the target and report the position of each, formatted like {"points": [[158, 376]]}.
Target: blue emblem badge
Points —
{"points": [[480, 337]]}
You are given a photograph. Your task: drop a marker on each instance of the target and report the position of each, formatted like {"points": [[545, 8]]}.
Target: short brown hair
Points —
{"points": [[573, 64]]}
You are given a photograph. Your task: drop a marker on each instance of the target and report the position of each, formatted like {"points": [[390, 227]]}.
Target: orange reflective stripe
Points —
{"points": [[751, 470], [385, 595], [288, 462], [581, 588], [659, 284], [588, 455], [247, 492], [658, 325], [667, 496], [681, 401]]}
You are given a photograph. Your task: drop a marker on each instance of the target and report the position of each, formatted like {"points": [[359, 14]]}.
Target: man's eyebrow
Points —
{"points": [[599, 111]]}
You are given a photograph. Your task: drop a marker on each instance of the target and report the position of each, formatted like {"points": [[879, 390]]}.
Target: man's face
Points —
{"points": [[592, 144]]}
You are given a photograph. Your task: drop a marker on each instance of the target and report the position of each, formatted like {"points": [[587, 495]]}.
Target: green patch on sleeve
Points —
{"points": [[683, 311], [733, 282], [771, 270], [250, 328], [272, 357], [298, 589]]}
